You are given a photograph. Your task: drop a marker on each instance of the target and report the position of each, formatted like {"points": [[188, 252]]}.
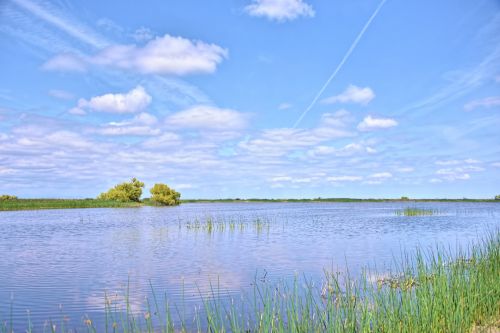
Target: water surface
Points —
{"points": [[61, 263]]}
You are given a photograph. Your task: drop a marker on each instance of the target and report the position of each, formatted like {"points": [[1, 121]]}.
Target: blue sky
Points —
{"points": [[251, 98]]}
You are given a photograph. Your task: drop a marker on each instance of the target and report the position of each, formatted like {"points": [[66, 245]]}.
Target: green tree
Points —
{"points": [[164, 195], [497, 197], [5, 197], [130, 191]]}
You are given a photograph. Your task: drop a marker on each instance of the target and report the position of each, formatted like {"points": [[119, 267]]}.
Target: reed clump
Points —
{"points": [[416, 212]]}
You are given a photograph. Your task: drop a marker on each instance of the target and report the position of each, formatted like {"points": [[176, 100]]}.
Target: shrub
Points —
{"points": [[497, 197], [130, 191], [164, 195], [5, 197]]}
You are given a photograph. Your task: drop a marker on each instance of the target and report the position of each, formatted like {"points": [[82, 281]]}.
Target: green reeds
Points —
{"points": [[31, 204], [436, 291], [416, 212]]}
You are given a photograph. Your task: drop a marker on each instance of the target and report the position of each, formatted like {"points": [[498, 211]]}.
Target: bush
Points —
{"points": [[6, 197], [164, 195], [405, 198], [497, 197], [124, 192]]}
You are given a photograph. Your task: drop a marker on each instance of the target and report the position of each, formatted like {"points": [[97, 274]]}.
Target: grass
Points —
{"points": [[32, 204], [416, 212], [429, 292]]}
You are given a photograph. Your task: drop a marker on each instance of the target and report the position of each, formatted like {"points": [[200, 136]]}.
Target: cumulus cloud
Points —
{"points": [[280, 10], [161, 55], [352, 94], [487, 102], [208, 117], [369, 123], [135, 100]]}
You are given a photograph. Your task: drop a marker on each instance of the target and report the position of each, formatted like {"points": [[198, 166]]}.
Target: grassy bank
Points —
{"points": [[431, 292], [31, 204]]}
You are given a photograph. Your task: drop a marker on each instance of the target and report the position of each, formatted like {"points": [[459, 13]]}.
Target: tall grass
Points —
{"points": [[416, 212], [429, 292], [30, 204]]}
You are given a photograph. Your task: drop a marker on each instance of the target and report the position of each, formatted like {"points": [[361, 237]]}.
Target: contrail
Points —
{"points": [[339, 66]]}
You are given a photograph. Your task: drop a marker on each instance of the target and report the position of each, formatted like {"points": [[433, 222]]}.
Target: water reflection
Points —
{"points": [[75, 258]]}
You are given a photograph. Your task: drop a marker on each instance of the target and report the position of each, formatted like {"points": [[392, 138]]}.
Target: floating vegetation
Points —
{"points": [[416, 212]]}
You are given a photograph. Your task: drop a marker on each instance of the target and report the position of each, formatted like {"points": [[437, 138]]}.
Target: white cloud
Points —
{"points": [[65, 62], [344, 178], [352, 94], [280, 10], [279, 141], [381, 175], [347, 150], [284, 106], [129, 130], [135, 100], [166, 139], [208, 117], [369, 123], [162, 55], [140, 125], [487, 102], [456, 162], [405, 169], [458, 173]]}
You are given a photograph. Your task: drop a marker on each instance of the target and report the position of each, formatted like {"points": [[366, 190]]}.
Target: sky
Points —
{"points": [[251, 98]]}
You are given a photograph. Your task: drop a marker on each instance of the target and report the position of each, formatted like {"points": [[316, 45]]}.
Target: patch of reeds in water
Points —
{"points": [[409, 211], [211, 224], [431, 292]]}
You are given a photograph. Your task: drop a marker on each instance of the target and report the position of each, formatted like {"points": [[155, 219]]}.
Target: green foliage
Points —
{"points": [[497, 197], [6, 197], [33, 204], [164, 195], [124, 192], [405, 198]]}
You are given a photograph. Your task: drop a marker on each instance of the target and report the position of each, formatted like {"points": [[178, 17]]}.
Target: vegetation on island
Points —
{"points": [[434, 291], [164, 195], [123, 195], [124, 192]]}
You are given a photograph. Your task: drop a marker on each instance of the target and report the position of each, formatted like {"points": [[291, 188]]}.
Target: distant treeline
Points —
{"points": [[336, 200]]}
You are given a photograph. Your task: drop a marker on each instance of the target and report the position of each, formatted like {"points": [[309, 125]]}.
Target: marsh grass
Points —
{"points": [[211, 224], [416, 212], [436, 291], [32, 204]]}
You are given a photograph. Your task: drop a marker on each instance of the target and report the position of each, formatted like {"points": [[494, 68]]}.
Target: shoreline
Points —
{"points": [[42, 204]]}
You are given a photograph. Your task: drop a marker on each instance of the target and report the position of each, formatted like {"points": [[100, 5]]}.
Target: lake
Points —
{"points": [[60, 264]]}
